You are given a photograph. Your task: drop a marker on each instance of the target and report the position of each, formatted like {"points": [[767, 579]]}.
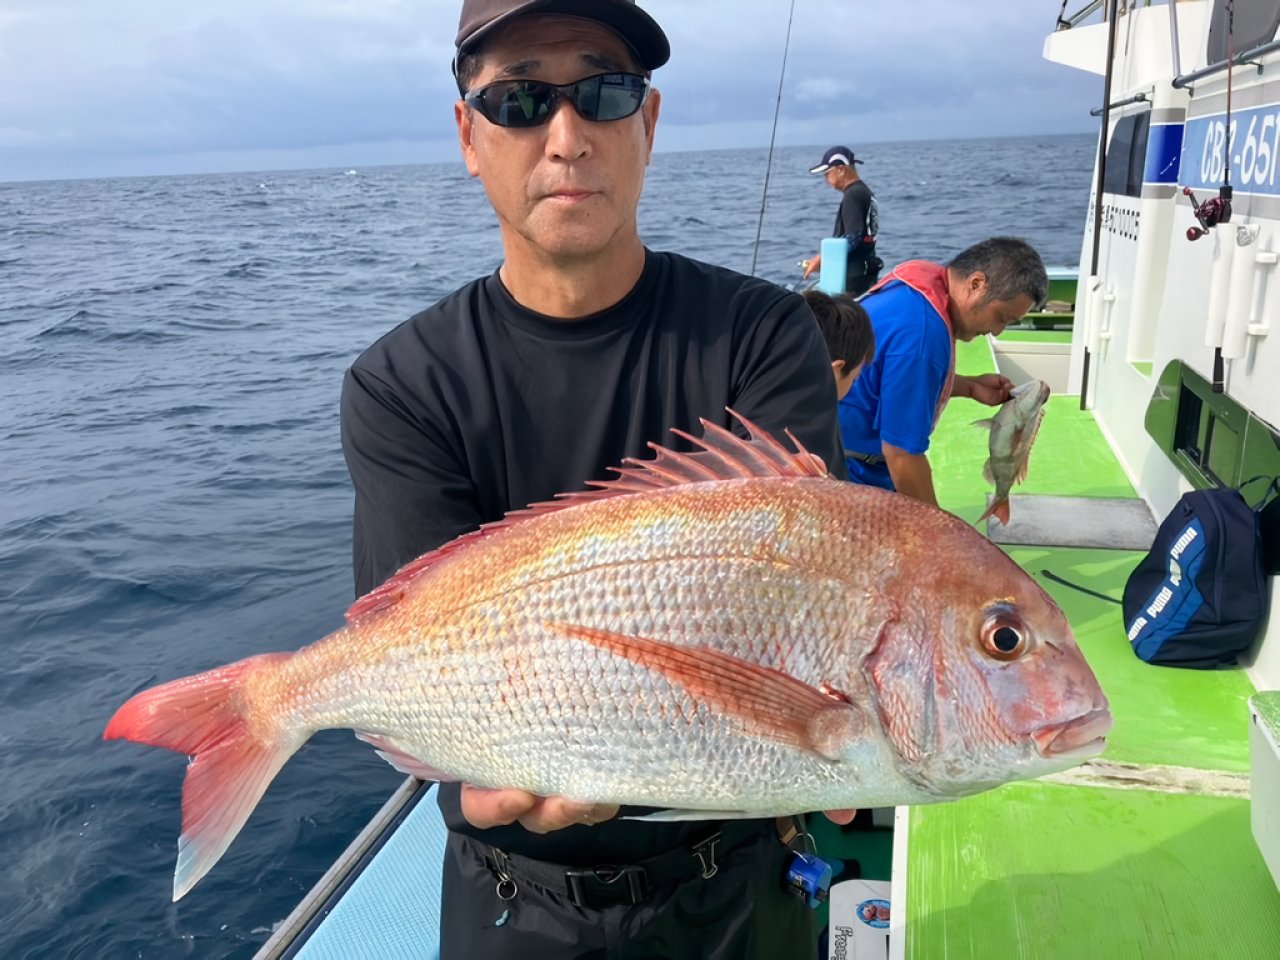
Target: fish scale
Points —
{"points": [[724, 632]]}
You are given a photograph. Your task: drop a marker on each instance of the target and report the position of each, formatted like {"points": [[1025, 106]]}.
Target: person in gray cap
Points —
{"points": [[581, 348], [857, 220]]}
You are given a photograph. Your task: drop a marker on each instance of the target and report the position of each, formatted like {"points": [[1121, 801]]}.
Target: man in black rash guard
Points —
{"points": [[857, 220], [581, 348]]}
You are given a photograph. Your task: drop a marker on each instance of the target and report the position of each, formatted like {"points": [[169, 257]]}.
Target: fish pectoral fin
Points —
{"points": [[403, 761], [768, 703], [988, 473], [987, 423], [675, 816]]}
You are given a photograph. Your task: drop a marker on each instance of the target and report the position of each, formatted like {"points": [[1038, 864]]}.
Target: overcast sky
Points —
{"points": [[117, 87]]}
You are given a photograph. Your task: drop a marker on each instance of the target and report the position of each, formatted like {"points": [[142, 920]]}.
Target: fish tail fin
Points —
{"points": [[206, 716], [998, 509]]}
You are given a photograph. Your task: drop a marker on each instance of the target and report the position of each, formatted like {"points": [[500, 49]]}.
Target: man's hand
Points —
{"points": [[497, 808], [811, 265], [841, 817], [989, 388]]}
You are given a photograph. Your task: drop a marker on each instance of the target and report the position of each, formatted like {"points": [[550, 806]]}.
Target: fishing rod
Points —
{"points": [[768, 167]]}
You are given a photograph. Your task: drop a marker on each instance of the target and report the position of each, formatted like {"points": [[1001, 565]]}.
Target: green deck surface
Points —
{"points": [[1186, 718], [1041, 870], [1048, 872]]}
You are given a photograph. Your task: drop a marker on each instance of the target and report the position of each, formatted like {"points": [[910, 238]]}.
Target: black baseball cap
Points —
{"points": [[835, 157], [481, 17]]}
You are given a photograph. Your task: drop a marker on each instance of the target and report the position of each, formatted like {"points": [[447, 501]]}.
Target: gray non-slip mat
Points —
{"points": [[1044, 521]]}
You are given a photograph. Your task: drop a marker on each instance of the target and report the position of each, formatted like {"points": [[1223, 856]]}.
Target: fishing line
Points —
{"points": [[777, 109], [1228, 140]]}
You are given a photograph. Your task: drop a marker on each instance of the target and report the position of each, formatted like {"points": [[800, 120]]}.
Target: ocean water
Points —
{"points": [[173, 495]]}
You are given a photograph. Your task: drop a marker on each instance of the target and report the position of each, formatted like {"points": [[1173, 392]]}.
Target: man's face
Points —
{"points": [[568, 188], [973, 313], [835, 176]]}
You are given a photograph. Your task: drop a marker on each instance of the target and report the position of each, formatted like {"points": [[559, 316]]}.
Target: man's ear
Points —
{"points": [[977, 282], [464, 117]]}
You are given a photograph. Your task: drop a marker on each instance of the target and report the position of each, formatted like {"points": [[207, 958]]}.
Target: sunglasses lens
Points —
{"points": [[610, 96], [530, 103], [516, 103]]}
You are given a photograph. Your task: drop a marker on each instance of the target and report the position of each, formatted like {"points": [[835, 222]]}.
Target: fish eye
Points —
{"points": [[1006, 639], [1004, 636]]}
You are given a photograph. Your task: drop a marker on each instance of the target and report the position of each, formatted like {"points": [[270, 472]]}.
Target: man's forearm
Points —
{"points": [[911, 474]]}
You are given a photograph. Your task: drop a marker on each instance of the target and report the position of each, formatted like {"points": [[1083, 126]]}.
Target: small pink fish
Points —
{"points": [[1013, 431]]}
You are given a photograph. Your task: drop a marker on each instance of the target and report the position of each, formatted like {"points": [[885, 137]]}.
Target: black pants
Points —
{"points": [[742, 913], [861, 275]]}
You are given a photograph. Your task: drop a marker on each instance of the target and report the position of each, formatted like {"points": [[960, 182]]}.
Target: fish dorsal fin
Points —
{"points": [[724, 456]]}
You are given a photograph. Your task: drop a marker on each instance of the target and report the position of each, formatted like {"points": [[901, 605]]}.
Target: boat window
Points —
{"points": [[1255, 24], [1127, 154]]}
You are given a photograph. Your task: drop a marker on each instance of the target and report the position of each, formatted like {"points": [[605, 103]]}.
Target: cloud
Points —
{"points": [[85, 85], [823, 89]]}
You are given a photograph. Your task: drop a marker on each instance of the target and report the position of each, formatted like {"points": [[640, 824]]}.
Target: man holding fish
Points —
{"points": [[580, 350], [918, 312], [719, 637]]}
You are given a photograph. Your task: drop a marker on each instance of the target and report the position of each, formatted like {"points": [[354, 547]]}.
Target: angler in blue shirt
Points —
{"points": [[917, 313]]}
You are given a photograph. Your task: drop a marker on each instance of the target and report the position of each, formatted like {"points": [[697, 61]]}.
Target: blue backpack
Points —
{"points": [[1199, 597]]}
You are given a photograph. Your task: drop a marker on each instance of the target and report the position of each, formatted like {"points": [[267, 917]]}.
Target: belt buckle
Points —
{"points": [[606, 886]]}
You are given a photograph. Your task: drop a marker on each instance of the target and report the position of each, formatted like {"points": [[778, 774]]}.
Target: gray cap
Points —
{"points": [[481, 17]]}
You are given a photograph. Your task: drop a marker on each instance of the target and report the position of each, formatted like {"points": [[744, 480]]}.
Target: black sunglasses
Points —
{"points": [[530, 103]]}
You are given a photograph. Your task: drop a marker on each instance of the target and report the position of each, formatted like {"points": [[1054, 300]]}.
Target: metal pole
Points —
{"points": [[1102, 177], [1136, 98], [1173, 37], [1246, 57]]}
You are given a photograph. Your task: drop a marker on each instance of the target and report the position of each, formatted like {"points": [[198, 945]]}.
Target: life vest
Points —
{"points": [[930, 281]]}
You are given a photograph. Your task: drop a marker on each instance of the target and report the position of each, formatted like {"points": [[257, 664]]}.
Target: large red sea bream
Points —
{"points": [[726, 633]]}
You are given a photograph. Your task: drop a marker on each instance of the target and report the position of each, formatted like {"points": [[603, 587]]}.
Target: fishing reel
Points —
{"points": [[1209, 214]]}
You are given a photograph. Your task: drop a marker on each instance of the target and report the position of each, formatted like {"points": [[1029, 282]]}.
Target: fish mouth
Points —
{"points": [[1085, 736], [1039, 386]]}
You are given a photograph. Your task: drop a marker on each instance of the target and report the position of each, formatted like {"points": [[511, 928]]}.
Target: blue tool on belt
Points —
{"points": [[807, 875], [809, 878]]}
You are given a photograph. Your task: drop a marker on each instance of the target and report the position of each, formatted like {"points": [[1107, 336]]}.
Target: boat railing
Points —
{"points": [[1066, 22], [1245, 56], [286, 936]]}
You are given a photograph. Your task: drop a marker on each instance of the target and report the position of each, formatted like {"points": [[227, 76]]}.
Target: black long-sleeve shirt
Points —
{"points": [[858, 220], [478, 406]]}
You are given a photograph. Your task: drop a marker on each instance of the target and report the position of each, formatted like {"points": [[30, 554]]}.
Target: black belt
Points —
{"points": [[872, 459], [612, 884]]}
